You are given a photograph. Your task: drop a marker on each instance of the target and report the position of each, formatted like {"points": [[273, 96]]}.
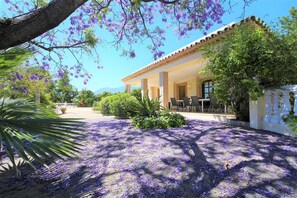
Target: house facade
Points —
{"points": [[178, 74]]}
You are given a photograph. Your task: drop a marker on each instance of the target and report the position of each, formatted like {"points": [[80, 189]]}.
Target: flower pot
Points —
{"points": [[63, 110]]}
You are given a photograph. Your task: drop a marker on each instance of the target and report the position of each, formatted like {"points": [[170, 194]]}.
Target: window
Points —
{"points": [[207, 88]]}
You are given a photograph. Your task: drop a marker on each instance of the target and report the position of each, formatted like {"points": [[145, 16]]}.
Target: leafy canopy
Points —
{"points": [[251, 59], [63, 90], [85, 98], [127, 22]]}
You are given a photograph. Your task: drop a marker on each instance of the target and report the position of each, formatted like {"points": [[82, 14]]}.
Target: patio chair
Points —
{"points": [[214, 105], [174, 103], [187, 104], [195, 103]]}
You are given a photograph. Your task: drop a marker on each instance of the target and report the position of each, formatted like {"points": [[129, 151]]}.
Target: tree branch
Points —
{"points": [[162, 1], [19, 31], [76, 45]]}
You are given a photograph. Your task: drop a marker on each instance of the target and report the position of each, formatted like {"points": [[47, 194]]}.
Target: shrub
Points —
{"points": [[96, 106], [84, 99], [136, 93], [291, 121], [124, 105], [104, 104], [148, 107], [99, 97], [164, 120]]}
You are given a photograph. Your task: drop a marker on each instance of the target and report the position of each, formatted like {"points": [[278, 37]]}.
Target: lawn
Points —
{"points": [[201, 159]]}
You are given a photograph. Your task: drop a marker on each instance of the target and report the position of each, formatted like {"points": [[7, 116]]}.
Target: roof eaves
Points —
{"points": [[201, 41]]}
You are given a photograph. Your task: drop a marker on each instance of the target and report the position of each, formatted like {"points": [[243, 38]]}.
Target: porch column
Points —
{"points": [[152, 94], [163, 83], [144, 87], [197, 86], [128, 88], [174, 90]]}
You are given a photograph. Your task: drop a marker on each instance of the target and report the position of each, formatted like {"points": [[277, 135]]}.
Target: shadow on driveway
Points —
{"points": [[201, 159]]}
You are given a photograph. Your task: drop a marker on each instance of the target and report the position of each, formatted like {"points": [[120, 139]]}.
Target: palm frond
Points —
{"points": [[12, 58], [36, 133]]}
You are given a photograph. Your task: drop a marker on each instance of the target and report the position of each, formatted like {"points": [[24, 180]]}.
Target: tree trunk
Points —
{"points": [[37, 96], [14, 32]]}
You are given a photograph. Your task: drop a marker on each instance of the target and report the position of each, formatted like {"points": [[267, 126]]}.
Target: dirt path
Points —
{"points": [[86, 113]]}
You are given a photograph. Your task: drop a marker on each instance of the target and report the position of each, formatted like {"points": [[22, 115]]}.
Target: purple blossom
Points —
{"points": [[25, 90], [126, 26], [60, 73], [132, 54], [19, 76]]}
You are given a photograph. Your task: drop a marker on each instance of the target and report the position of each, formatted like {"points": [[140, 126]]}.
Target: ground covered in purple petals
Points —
{"points": [[201, 159]]}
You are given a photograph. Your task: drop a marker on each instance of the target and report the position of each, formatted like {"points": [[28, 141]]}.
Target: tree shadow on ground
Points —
{"points": [[201, 159]]}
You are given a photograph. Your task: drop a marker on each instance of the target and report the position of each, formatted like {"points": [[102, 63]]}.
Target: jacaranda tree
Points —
{"points": [[36, 25]]}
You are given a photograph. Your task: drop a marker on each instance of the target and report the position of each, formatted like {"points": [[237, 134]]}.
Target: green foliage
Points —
{"points": [[124, 105], [145, 113], [291, 121], [63, 91], [289, 28], [35, 133], [288, 33], [91, 40], [164, 120], [31, 131], [136, 93], [41, 84], [96, 105], [104, 104], [149, 115], [104, 94], [148, 107], [98, 99], [248, 61], [46, 100], [85, 98], [12, 58], [40, 3]]}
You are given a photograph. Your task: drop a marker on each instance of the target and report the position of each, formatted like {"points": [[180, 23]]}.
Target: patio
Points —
{"points": [[201, 159]]}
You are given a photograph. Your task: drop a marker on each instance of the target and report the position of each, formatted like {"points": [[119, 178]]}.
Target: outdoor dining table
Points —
{"points": [[202, 100]]}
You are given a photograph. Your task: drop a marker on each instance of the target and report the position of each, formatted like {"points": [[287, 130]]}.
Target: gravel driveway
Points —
{"points": [[201, 159]]}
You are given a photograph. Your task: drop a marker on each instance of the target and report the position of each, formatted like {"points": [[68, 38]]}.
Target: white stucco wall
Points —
{"points": [[257, 119]]}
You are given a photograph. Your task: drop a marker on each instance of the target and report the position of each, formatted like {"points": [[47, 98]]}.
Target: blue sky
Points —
{"points": [[116, 66]]}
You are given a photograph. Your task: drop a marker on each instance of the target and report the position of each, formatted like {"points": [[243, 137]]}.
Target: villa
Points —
{"points": [[177, 76]]}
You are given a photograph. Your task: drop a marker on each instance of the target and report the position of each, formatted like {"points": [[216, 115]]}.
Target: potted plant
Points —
{"points": [[63, 110]]}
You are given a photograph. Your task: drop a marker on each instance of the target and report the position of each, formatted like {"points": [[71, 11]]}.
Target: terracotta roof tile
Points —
{"points": [[189, 47]]}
